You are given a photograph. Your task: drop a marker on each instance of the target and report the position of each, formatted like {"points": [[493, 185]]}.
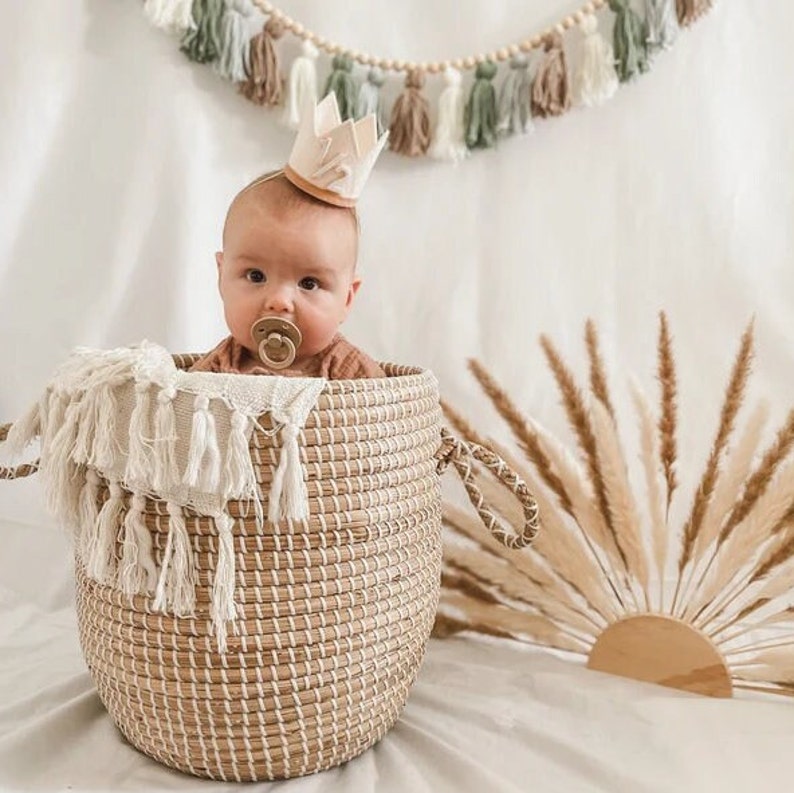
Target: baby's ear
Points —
{"points": [[219, 263], [351, 292]]}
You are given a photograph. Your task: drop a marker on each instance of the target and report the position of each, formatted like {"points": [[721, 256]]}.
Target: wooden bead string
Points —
{"points": [[434, 67]]}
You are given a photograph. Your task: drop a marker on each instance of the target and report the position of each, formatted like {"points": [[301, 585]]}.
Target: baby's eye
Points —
{"points": [[309, 283], [255, 276]]}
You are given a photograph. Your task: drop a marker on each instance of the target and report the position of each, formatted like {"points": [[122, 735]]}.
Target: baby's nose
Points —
{"points": [[278, 299]]}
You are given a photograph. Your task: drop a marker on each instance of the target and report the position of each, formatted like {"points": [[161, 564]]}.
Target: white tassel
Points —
{"points": [[596, 80], [198, 441], [166, 470], [101, 562], [104, 453], [302, 86], [23, 432], [84, 442], [515, 99], [89, 512], [449, 136], [288, 495], [176, 585], [140, 432], [233, 60], [369, 98], [223, 608], [173, 16], [137, 571], [62, 489], [238, 479], [211, 469], [661, 24]]}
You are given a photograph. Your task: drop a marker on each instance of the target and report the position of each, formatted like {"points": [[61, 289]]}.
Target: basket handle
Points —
{"points": [[461, 454], [15, 472]]}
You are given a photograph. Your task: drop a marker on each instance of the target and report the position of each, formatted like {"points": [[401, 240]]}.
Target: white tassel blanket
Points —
{"points": [[131, 417]]}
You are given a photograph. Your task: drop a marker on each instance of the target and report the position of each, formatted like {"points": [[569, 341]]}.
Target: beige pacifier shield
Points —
{"points": [[277, 341]]}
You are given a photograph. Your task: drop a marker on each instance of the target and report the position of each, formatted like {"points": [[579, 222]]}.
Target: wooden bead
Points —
{"points": [[469, 63], [433, 68], [513, 49], [503, 54], [387, 65], [298, 29], [568, 22], [400, 66], [526, 45], [579, 17], [457, 64]]}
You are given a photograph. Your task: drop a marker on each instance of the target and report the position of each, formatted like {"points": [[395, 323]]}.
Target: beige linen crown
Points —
{"points": [[331, 159]]}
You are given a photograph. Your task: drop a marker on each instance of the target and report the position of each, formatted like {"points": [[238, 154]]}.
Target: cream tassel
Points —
{"points": [[223, 608], [101, 562], [89, 512], [173, 16], [176, 585], [596, 80], [237, 480], [449, 139], [203, 444], [302, 88], [288, 494], [23, 432], [166, 470], [140, 433], [104, 455], [137, 572]]}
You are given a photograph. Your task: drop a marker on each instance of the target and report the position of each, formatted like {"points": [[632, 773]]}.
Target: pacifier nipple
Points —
{"points": [[277, 341]]}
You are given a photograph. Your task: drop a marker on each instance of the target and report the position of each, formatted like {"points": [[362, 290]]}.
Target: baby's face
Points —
{"points": [[295, 263]]}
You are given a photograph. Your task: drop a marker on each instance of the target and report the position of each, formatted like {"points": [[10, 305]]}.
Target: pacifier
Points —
{"points": [[277, 341]]}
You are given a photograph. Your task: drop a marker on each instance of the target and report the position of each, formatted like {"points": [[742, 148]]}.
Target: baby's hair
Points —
{"points": [[292, 196]]}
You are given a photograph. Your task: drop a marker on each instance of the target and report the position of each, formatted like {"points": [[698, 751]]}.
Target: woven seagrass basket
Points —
{"points": [[333, 613]]}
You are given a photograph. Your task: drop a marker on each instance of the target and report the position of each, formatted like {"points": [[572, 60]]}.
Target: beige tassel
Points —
{"points": [[166, 471], [89, 512], [223, 608], [101, 561], [137, 572], [176, 585], [140, 432], [409, 129], [265, 83], [23, 432], [551, 94], [688, 11]]}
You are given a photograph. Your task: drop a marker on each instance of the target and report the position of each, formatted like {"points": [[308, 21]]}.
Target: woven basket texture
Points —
{"points": [[334, 613]]}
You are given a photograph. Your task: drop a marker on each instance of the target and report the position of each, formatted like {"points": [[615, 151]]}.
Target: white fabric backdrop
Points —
{"points": [[119, 157]]}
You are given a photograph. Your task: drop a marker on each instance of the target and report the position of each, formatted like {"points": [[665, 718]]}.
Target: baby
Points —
{"points": [[290, 244], [289, 255]]}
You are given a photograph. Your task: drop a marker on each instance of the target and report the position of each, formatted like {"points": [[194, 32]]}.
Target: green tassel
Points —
{"points": [[480, 120], [341, 82], [631, 53], [202, 43]]}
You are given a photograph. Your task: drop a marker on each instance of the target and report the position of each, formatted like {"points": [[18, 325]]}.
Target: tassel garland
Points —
{"points": [[480, 120], [449, 140], [596, 80], [515, 111], [264, 83], [550, 88], [302, 87], [409, 130], [202, 42], [341, 82]]}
